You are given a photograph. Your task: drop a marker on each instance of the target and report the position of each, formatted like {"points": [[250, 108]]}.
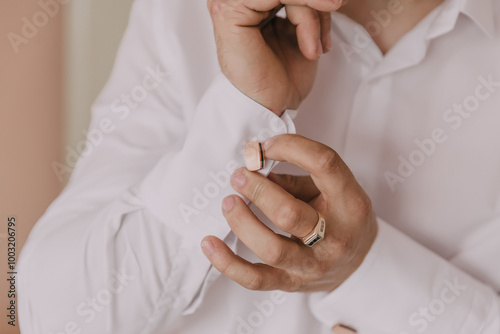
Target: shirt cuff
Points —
{"points": [[186, 188], [402, 287]]}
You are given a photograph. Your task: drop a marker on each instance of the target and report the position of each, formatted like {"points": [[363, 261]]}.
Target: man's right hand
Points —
{"points": [[272, 62]]}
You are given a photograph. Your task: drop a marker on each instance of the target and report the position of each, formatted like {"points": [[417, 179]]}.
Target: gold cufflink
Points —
{"points": [[254, 156], [343, 329]]}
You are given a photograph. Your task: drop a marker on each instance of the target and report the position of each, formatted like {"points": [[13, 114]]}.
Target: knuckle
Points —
{"points": [[322, 268], [216, 7], [276, 256], [343, 247], [255, 283], [231, 9], [256, 192], [288, 217], [314, 267], [327, 160], [360, 206], [224, 267], [305, 16], [292, 283], [213, 7]]}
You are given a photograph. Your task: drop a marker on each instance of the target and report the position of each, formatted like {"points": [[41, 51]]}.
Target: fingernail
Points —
{"points": [[328, 42], [337, 1], [319, 48], [238, 179], [207, 247], [228, 203], [267, 144]]}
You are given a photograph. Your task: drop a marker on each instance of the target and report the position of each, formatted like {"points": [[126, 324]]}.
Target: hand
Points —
{"points": [[292, 203], [272, 63]]}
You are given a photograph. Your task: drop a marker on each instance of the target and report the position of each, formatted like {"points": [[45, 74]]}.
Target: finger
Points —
{"points": [[275, 250], [251, 276], [308, 30], [285, 211], [326, 24], [270, 16], [227, 13], [328, 171], [301, 187], [320, 5]]}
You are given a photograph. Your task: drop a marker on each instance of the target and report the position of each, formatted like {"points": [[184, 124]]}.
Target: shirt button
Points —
{"points": [[343, 329]]}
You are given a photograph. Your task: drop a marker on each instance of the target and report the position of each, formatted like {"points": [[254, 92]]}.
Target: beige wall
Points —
{"points": [[46, 88], [30, 125], [92, 40]]}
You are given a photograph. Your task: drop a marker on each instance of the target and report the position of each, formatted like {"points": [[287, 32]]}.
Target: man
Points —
{"points": [[407, 96]]}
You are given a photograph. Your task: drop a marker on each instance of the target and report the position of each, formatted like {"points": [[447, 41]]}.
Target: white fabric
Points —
{"points": [[118, 251]]}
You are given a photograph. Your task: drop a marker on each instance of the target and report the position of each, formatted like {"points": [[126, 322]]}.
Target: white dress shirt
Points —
{"points": [[118, 251]]}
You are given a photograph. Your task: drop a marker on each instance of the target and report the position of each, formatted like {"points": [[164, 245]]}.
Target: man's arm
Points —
{"points": [[375, 282], [402, 288], [117, 250]]}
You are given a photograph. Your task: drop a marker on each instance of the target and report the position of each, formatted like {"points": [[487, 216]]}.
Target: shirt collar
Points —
{"points": [[480, 12]]}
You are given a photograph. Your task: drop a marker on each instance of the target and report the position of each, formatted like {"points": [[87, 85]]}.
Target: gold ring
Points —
{"points": [[316, 234]]}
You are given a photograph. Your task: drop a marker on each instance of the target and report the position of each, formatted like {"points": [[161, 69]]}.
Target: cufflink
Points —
{"points": [[254, 156], [343, 329]]}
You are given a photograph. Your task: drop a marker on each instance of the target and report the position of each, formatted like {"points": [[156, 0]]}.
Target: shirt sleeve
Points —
{"points": [[404, 288], [118, 251]]}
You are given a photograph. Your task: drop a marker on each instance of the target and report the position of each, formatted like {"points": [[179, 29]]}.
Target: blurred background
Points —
{"points": [[55, 57]]}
